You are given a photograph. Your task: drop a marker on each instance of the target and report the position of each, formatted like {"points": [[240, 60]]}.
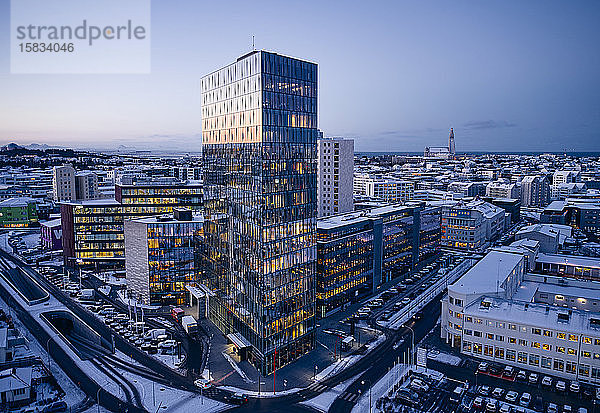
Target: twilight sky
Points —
{"points": [[395, 75]]}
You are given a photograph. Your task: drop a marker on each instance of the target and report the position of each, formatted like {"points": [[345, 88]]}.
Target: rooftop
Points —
{"points": [[571, 260], [488, 275]]}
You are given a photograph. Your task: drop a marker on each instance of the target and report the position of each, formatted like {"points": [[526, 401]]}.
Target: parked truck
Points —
{"points": [[189, 324]]}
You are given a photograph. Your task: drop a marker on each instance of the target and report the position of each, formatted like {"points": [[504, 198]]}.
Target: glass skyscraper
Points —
{"points": [[259, 132]]}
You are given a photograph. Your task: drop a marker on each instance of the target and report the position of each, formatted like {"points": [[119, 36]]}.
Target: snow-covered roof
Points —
{"points": [[575, 261], [17, 202], [489, 274]]}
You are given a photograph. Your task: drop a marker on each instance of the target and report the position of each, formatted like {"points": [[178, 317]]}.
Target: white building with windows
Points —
{"points": [[548, 324], [502, 189], [335, 170], [63, 183], [383, 188], [471, 225]]}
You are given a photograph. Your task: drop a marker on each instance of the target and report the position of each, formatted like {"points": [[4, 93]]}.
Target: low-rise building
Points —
{"points": [[15, 386], [18, 213], [471, 225], [51, 235], [546, 324]]}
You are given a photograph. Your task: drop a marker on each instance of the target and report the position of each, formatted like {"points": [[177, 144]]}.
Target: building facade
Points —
{"points": [[535, 191], [471, 225], [543, 323], [386, 189], [259, 133], [93, 230], [358, 251], [501, 189], [159, 256], [335, 170], [63, 183], [86, 186], [18, 213]]}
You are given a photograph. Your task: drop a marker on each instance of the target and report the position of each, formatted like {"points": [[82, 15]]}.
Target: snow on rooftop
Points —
{"points": [[488, 275], [571, 260]]}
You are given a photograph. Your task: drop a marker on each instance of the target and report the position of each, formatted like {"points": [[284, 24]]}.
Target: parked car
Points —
{"points": [[505, 408], [533, 378], [552, 408], [522, 375], [561, 385], [525, 399], [574, 387], [484, 390], [478, 402], [491, 406], [512, 396], [203, 383], [483, 367], [498, 392], [547, 381], [508, 371]]}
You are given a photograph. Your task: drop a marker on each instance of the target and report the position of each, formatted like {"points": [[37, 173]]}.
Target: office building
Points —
{"points": [[547, 324], [93, 230], [159, 256], [471, 225], [63, 183], [579, 214], [18, 213], [358, 251], [259, 138], [535, 191], [335, 170]]}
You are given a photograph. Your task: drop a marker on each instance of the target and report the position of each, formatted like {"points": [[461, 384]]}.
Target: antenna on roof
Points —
{"points": [[253, 48]]}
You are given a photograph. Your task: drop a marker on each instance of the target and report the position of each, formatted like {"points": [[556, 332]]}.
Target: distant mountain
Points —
{"points": [[31, 146]]}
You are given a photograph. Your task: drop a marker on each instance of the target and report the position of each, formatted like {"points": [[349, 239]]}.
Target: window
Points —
{"points": [[584, 370], [512, 340], [571, 352], [488, 350], [522, 342], [560, 350], [571, 367], [510, 355], [561, 336], [536, 331], [586, 354], [467, 346], [586, 340], [547, 347], [477, 348], [512, 327], [573, 337], [535, 344], [499, 338], [559, 365], [522, 357], [469, 319], [499, 354], [547, 333], [468, 332], [546, 362], [477, 333], [489, 336], [534, 360]]}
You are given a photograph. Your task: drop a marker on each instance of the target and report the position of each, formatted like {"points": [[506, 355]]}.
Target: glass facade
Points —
{"points": [[259, 131], [358, 252], [344, 265], [93, 230], [171, 264]]}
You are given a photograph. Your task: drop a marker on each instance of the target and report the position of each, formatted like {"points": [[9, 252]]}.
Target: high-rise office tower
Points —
{"points": [[335, 170], [259, 132]]}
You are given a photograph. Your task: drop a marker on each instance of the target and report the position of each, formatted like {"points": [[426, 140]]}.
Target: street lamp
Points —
{"points": [[315, 373], [363, 383], [98, 398], [412, 351]]}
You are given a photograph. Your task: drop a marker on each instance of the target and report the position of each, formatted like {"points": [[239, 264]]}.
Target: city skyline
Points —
{"points": [[508, 76]]}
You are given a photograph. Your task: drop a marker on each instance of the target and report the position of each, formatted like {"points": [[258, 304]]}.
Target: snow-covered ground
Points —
{"points": [[347, 361], [324, 400], [169, 399], [73, 395], [380, 389]]}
